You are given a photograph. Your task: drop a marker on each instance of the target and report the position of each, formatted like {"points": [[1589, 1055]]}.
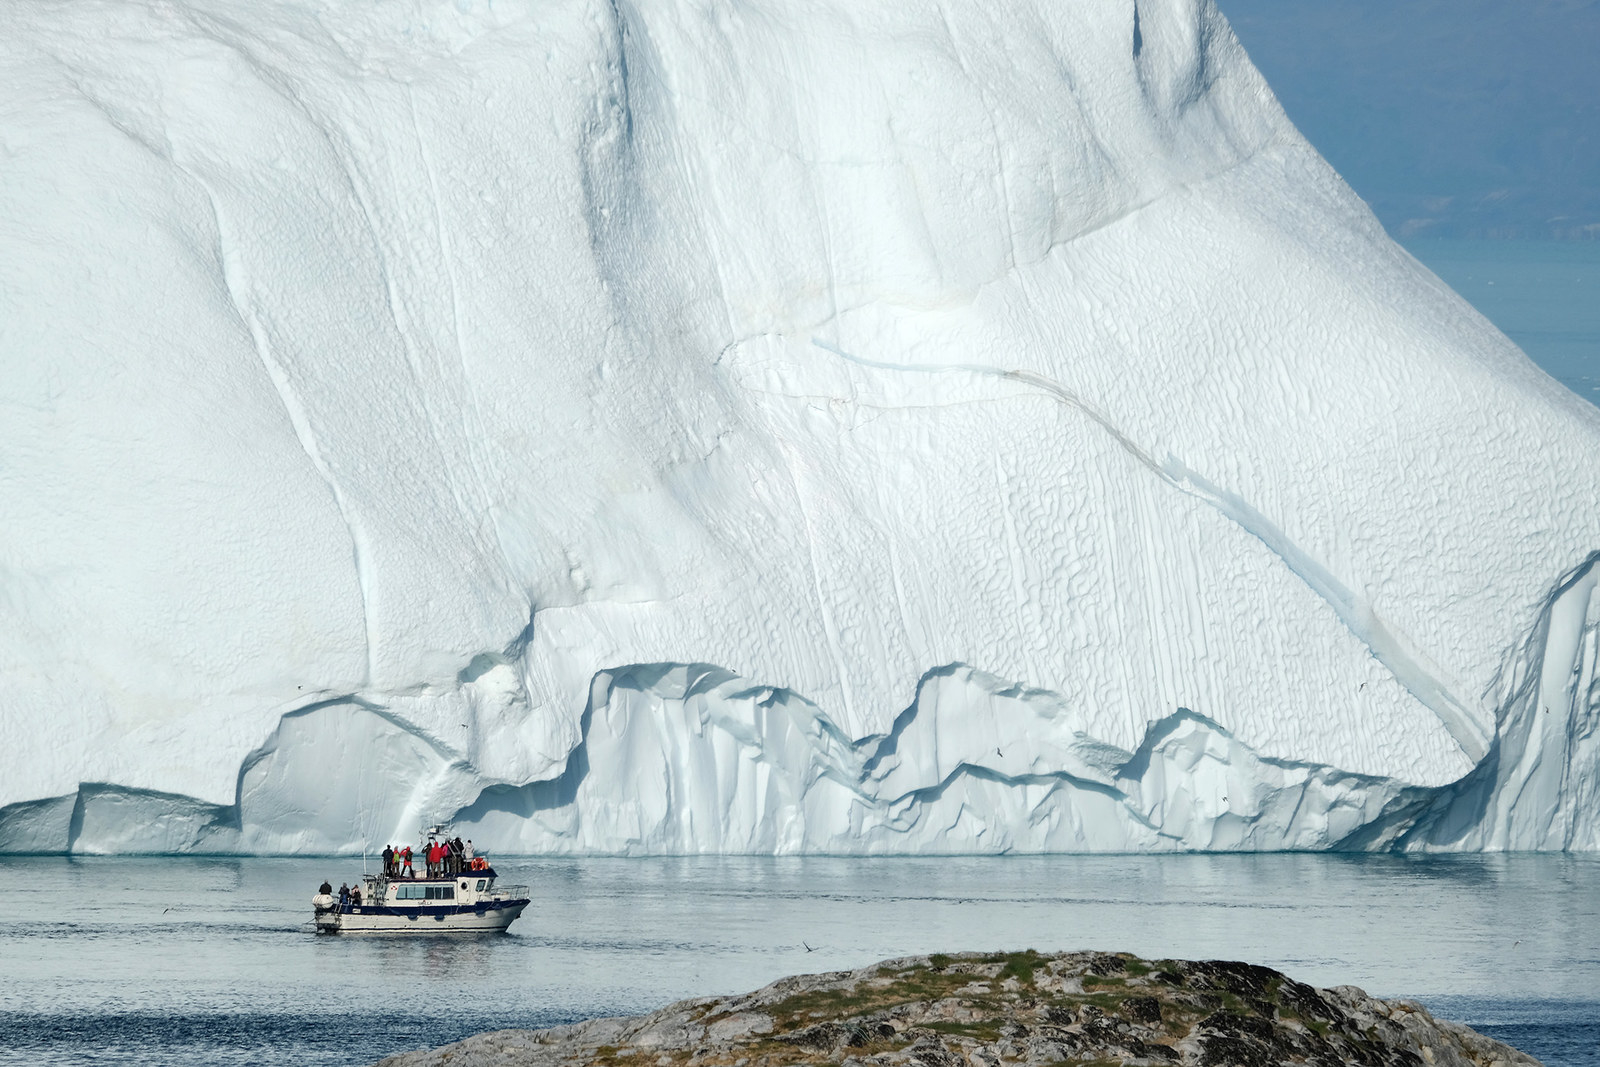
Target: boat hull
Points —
{"points": [[466, 919]]}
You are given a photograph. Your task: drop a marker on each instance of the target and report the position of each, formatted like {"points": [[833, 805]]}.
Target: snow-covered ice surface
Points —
{"points": [[697, 425]]}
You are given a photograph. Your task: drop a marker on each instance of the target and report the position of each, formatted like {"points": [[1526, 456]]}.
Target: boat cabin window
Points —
{"points": [[426, 892], [481, 883]]}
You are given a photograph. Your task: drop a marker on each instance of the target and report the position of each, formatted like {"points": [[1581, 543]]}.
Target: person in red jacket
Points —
{"points": [[406, 864]]}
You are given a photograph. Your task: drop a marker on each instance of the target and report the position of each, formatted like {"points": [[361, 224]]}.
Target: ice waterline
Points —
{"points": [[671, 756]]}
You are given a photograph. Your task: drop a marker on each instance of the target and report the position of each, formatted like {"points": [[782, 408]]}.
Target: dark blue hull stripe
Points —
{"points": [[438, 909]]}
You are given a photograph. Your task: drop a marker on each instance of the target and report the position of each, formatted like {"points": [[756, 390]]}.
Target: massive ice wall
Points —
{"points": [[712, 425]]}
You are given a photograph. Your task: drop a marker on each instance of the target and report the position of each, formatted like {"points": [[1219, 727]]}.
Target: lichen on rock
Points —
{"points": [[984, 1010]]}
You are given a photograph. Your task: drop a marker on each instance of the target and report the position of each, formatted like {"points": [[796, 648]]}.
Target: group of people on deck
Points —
{"points": [[348, 898], [441, 857]]}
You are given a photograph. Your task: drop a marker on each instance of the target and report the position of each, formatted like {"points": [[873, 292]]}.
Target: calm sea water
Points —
{"points": [[207, 961], [1544, 295]]}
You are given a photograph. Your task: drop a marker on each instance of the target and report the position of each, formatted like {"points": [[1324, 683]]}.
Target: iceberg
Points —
{"points": [[735, 425]]}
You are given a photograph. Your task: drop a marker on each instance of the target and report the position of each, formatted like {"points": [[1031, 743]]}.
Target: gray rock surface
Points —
{"points": [[1019, 1008]]}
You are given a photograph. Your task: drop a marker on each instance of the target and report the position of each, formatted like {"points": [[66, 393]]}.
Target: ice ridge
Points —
{"points": [[1357, 616], [686, 758]]}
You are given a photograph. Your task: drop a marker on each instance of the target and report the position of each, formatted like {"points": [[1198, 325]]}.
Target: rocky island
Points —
{"points": [[976, 1010]]}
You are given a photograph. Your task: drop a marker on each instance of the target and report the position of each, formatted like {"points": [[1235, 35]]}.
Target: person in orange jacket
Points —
{"points": [[406, 863]]}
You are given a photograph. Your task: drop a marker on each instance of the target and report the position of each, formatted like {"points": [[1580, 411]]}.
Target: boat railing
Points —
{"points": [[508, 892]]}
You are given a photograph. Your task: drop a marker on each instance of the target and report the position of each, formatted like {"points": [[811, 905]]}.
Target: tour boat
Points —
{"points": [[467, 900]]}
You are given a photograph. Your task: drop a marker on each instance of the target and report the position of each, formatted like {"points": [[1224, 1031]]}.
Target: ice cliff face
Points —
{"points": [[710, 425]]}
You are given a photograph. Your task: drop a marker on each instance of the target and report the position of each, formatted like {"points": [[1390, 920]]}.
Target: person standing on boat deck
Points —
{"points": [[388, 860], [344, 897], [409, 873], [466, 855], [355, 895]]}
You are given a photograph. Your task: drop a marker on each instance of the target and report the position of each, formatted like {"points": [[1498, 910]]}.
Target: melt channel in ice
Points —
{"points": [[727, 425]]}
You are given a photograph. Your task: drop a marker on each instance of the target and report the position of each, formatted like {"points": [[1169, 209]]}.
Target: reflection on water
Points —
{"points": [[212, 961]]}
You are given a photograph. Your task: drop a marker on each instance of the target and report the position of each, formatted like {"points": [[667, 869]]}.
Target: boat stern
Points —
{"points": [[325, 913]]}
